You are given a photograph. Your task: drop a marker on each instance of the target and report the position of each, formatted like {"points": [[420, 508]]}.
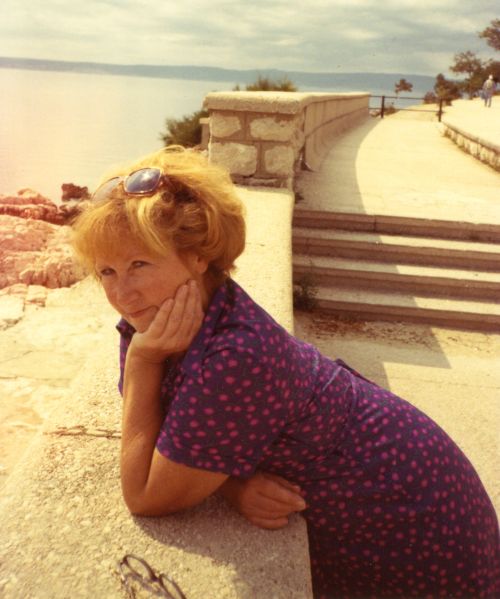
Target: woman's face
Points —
{"points": [[137, 282]]}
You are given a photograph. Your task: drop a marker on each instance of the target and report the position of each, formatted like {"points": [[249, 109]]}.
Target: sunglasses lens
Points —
{"points": [[144, 180], [105, 189]]}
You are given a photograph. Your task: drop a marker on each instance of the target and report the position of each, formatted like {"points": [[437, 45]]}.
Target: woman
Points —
{"points": [[218, 396]]}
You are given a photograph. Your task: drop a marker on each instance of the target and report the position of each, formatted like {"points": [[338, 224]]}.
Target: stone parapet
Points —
{"points": [[481, 148], [264, 138], [474, 128]]}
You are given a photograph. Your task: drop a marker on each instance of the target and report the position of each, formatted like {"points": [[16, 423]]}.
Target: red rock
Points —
{"points": [[34, 252]]}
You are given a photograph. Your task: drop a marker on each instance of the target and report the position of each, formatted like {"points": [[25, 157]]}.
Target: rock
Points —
{"points": [[74, 192], [35, 252], [11, 310], [30, 204], [72, 209]]}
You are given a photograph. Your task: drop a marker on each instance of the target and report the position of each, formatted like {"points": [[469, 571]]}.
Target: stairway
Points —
{"points": [[409, 269]]}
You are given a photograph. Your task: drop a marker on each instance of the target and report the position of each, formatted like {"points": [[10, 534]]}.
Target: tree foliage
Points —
{"points": [[492, 34], [185, 131], [468, 63], [445, 90], [266, 84], [403, 86]]}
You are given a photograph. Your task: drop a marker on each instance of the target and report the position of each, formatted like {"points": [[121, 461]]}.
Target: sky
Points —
{"points": [[390, 36]]}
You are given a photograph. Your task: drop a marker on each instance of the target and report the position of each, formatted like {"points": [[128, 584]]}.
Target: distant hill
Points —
{"points": [[337, 81]]}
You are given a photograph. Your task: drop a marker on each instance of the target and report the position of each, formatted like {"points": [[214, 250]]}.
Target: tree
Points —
{"points": [[492, 67], [185, 131], [492, 34], [430, 98], [445, 89], [469, 63], [403, 86]]}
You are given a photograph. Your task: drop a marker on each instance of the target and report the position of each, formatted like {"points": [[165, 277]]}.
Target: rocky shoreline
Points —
{"points": [[50, 314]]}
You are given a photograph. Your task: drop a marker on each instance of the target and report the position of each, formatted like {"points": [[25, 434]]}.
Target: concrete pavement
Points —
{"points": [[402, 166], [401, 224]]}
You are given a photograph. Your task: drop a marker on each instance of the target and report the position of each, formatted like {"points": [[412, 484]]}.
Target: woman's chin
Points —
{"points": [[141, 320]]}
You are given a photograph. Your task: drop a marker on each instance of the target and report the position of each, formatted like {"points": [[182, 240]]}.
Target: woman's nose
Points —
{"points": [[125, 291]]}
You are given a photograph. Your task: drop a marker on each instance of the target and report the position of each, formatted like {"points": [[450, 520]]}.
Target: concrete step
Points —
{"points": [[367, 304], [396, 248], [399, 225], [406, 278]]}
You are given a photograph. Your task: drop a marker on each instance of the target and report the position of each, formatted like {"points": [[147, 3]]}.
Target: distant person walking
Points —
{"points": [[489, 87]]}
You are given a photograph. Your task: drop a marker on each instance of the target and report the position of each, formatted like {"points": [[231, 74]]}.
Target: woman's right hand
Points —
{"points": [[173, 328], [265, 500]]}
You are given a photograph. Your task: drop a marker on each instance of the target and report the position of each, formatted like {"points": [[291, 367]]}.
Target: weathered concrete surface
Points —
{"points": [[402, 166], [64, 524]]}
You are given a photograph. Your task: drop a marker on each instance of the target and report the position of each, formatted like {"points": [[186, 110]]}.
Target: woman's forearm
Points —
{"points": [[141, 422]]}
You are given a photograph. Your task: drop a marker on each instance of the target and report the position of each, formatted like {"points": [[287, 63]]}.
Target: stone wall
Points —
{"points": [[264, 138], [483, 149]]}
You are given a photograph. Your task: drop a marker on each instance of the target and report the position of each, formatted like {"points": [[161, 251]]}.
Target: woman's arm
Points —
{"points": [[151, 483]]}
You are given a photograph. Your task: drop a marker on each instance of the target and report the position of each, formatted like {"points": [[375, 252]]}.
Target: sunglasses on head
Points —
{"points": [[142, 182]]}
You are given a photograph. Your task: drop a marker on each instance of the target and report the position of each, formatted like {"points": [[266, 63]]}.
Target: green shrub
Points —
{"points": [[304, 293], [266, 84], [185, 131]]}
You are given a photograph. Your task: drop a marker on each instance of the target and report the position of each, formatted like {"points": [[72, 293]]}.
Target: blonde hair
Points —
{"points": [[196, 210]]}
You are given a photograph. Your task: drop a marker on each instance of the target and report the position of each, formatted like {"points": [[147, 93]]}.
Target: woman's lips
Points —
{"points": [[137, 314]]}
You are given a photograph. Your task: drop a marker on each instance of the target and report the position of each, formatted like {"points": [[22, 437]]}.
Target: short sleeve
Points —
{"points": [[226, 416]]}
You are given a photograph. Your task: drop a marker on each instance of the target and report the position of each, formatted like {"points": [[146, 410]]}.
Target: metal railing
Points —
{"points": [[384, 108]]}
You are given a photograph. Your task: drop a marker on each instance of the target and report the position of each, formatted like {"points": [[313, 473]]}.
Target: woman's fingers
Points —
{"points": [[269, 523], [277, 491], [283, 482], [186, 317], [159, 323]]}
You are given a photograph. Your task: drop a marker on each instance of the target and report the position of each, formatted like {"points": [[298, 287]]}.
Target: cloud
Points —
{"points": [[321, 35]]}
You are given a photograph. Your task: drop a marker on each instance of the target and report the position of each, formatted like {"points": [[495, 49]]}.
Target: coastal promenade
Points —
{"points": [[64, 525], [401, 224]]}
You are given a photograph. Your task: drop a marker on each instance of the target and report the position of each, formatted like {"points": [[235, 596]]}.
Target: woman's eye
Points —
{"points": [[105, 272], [138, 264]]}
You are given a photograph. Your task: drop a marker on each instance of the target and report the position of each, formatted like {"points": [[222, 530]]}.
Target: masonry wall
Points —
{"points": [[265, 138]]}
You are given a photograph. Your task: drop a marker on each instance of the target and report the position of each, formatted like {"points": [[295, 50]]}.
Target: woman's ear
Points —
{"points": [[197, 264]]}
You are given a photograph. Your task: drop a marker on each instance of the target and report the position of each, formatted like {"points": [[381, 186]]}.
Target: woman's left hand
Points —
{"points": [[173, 328], [265, 500]]}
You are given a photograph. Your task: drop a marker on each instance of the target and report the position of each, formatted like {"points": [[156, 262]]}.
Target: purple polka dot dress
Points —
{"points": [[395, 509]]}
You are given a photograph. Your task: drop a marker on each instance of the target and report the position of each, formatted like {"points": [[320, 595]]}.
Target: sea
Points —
{"points": [[70, 127]]}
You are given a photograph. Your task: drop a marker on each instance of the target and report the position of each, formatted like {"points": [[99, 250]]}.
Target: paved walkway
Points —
{"points": [[402, 166]]}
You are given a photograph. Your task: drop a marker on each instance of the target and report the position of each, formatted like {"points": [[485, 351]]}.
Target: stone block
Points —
{"points": [[279, 160], [272, 128], [239, 159], [224, 125]]}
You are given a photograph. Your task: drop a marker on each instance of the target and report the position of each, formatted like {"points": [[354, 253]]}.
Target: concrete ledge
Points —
{"points": [[272, 102], [64, 524]]}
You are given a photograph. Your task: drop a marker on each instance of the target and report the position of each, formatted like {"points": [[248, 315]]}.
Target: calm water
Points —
{"points": [[70, 127]]}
